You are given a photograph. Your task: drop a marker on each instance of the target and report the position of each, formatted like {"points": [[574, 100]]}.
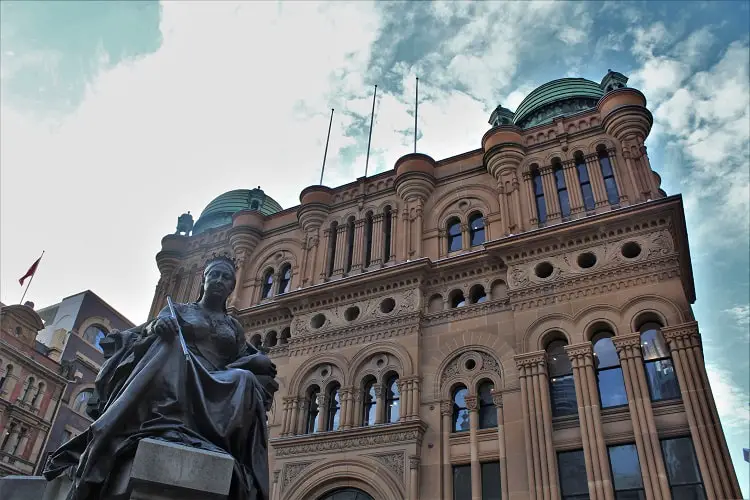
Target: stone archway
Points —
{"points": [[346, 494]]}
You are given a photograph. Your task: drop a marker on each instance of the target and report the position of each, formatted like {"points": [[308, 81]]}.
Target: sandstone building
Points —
{"points": [[513, 322]]}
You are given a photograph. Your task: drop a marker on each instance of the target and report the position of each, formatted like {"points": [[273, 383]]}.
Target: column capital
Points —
{"points": [[526, 175], [547, 169], [276, 476], [684, 336], [446, 407], [628, 346], [472, 403], [527, 361], [414, 462], [581, 354], [378, 390], [497, 398]]}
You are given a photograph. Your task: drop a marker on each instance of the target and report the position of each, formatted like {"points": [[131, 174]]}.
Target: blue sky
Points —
{"points": [[117, 117]]}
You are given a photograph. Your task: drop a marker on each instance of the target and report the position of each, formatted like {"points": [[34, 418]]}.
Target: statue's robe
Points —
{"points": [[149, 389]]}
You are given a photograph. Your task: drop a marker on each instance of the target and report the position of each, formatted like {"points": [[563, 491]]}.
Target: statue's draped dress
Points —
{"points": [[149, 389]]}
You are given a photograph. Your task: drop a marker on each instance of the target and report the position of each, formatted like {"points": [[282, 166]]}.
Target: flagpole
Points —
{"points": [[369, 139], [325, 153], [416, 108], [32, 277]]}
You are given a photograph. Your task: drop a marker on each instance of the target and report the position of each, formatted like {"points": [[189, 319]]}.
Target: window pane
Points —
{"points": [[563, 396], [605, 353], [454, 236], [653, 345], [557, 359], [626, 470], [606, 167], [462, 482], [564, 203], [679, 458], [612, 196], [541, 209], [491, 481], [631, 495], [572, 469], [612, 387], [689, 492], [662, 382], [487, 417], [538, 188], [588, 196]]}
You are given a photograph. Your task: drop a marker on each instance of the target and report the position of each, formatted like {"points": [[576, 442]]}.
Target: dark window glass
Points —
{"points": [[572, 470], [81, 400], [491, 481], [369, 404], [346, 494], [660, 374], [460, 413], [585, 183], [562, 192], [541, 208], [682, 469], [561, 385], [392, 400], [312, 411], [477, 294], [349, 244], [334, 407], [626, 472], [462, 482], [454, 235], [608, 371], [267, 284], [487, 411], [368, 239], [458, 299], [609, 179], [94, 334], [286, 279], [332, 235], [476, 230], [387, 216]]}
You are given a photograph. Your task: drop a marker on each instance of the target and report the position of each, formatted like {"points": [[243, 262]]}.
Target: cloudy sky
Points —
{"points": [[117, 117]]}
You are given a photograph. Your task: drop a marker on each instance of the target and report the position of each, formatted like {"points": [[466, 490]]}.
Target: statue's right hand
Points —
{"points": [[166, 327]]}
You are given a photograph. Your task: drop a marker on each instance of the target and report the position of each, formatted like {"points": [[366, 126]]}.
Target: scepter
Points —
{"points": [[179, 329]]}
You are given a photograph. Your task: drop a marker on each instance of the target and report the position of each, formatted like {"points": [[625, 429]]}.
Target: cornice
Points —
{"points": [[352, 439]]}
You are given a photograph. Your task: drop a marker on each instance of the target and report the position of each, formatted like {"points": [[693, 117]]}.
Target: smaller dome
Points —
{"points": [[219, 212], [557, 98]]}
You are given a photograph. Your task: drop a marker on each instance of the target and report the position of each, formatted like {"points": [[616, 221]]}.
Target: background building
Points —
{"points": [[513, 322], [73, 331], [30, 390]]}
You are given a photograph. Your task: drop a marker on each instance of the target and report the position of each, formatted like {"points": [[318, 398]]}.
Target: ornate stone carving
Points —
{"points": [[628, 346], [470, 364], [292, 471], [472, 403], [682, 336], [414, 462], [497, 398], [446, 407], [394, 461]]}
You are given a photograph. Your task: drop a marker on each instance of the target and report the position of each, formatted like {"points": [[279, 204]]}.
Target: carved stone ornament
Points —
{"points": [[393, 461], [446, 407], [292, 472]]}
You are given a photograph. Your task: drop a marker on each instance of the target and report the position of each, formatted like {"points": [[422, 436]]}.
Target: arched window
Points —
{"points": [[477, 294], [562, 189], [94, 334], [256, 341], [285, 334], [609, 176], [8, 433], [387, 222], [369, 402], [368, 239], [79, 404], [334, 408], [392, 410], [332, 235], [476, 229], [36, 398], [608, 371], [561, 386], [584, 182], [460, 412], [286, 279], [487, 411], [27, 389], [346, 494], [267, 291], [349, 244], [271, 339], [457, 299], [313, 412], [662, 382], [6, 375], [541, 208], [453, 230], [254, 205], [19, 331]]}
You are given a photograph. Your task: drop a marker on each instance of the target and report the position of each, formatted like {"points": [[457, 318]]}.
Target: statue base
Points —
{"points": [[159, 471]]}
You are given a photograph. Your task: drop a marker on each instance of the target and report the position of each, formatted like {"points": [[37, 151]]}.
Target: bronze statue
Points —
{"points": [[214, 398]]}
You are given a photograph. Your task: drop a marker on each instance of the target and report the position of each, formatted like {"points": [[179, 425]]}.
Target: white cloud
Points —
{"points": [[740, 314], [572, 36]]}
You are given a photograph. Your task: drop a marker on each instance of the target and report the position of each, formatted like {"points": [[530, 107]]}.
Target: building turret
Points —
{"points": [[315, 203], [167, 260], [415, 182], [246, 232], [503, 154]]}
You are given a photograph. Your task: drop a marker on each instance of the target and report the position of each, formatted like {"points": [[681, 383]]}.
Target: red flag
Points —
{"points": [[30, 272]]}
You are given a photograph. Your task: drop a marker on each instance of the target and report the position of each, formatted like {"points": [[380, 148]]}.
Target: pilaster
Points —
{"points": [[597, 181], [497, 399], [574, 188], [446, 416]]}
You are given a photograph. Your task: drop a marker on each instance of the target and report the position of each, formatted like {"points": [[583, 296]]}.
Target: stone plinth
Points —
{"points": [[22, 487]]}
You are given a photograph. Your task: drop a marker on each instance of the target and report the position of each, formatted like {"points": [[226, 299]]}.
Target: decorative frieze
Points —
{"points": [[292, 472], [393, 461]]}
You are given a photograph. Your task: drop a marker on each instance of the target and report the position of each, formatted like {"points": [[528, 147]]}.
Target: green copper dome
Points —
{"points": [[219, 212], [557, 98]]}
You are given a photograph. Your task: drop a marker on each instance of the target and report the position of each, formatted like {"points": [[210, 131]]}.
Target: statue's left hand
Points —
{"points": [[259, 364]]}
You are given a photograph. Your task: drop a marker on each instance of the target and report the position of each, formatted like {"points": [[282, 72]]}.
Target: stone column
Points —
{"points": [[414, 414], [597, 181], [413, 478], [340, 256], [515, 197], [359, 242], [589, 415], [550, 193], [322, 412], [574, 188], [541, 460], [404, 394], [286, 404], [418, 224], [618, 176], [641, 413], [710, 445], [505, 219], [377, 240], [274, 493], [497, 399], [446, 414], [355, 410], [530, 199], [472, 404], [345, 422], [294, 423], [379, 404], [326, 253]]}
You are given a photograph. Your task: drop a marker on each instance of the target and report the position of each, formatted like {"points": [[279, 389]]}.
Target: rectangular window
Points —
{"points": [[609, 180], [586, 191], [626, 472], [611, 387], [682, 468], [541, 208], [562, 392], [462, 482], [491, 481], [562, 192], [662, 381], [573, 481]]}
